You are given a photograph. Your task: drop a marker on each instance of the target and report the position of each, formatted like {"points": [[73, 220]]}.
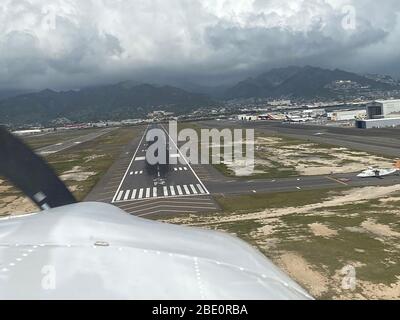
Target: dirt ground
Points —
{"points": [[77, 173]]}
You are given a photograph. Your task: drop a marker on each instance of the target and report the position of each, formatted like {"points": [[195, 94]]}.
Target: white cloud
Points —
{"points": [[74, 42]]}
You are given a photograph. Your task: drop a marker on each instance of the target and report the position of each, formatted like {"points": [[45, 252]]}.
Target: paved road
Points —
{"points": [[73, 142]]}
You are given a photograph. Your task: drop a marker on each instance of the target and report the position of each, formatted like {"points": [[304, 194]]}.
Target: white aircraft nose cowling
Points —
{"points": [[97, 251]]}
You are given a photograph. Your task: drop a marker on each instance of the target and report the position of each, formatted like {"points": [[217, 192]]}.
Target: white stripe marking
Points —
{"points": [[134, 194], [155, 192], [148, 193], [193, 189], [140, 193], [140, 158], [179, 190], [120, 195], [165, 191], [172, 190], [127, 193], [180, 169], [186, 189], [200, 188]]}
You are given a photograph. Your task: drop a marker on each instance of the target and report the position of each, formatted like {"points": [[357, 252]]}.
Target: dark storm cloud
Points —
{"points": [[71, 43]]}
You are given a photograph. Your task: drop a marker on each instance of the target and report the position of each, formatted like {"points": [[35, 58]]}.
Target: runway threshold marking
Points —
{"points": [[337, 180]]}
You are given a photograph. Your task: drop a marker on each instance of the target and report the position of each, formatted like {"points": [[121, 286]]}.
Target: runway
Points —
{"points": [[146, 190], [61, 146]]}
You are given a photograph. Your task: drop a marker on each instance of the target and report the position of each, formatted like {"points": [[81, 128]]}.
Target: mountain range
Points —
{"points": [[114, 102], [302, 82], [133, 100]]}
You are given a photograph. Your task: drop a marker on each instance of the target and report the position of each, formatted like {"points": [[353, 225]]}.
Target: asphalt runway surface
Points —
{"points": [[61, 146]]}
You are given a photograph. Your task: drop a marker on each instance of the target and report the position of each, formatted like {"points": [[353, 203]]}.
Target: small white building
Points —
{"points": [[347, 115]]}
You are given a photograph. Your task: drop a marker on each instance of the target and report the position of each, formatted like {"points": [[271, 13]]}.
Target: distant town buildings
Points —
{"points": [[160, 114]]}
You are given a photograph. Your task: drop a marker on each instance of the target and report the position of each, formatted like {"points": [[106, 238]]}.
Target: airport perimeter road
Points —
{"points": [[172, 189], [72, 143], [380, 141]]}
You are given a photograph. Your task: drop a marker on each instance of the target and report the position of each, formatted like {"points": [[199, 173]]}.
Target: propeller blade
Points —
{"points": [[31, 174]]}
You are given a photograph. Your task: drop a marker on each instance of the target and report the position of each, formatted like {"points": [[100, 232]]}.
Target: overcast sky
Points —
{"points": [[73, 43]]}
